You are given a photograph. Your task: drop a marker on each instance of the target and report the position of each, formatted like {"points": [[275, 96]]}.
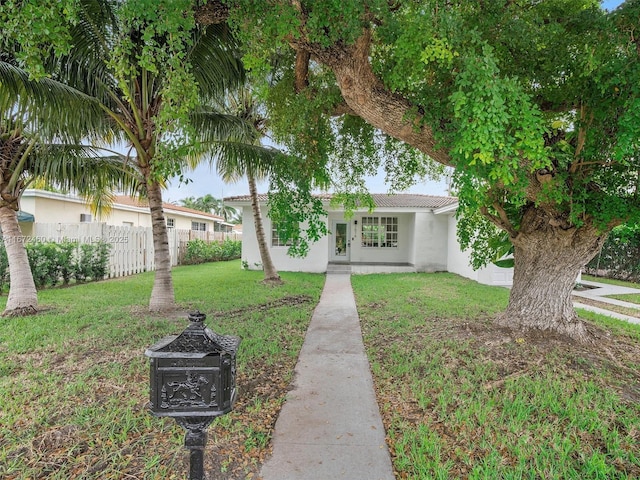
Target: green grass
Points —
{"points": [[462, 398], [74, 378], [610, 281], [629, 297]]}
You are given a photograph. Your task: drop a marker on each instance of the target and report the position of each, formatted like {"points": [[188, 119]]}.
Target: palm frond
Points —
{"points": [[234, 160], [213, 125], [84, 169], [215, 61], [51, 107], [86, 68]]}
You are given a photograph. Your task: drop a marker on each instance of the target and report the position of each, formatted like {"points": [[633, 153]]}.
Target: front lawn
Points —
{"points": [[462, 398], [74, 379]]}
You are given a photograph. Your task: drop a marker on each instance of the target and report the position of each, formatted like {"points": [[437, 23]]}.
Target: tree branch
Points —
{"points": [[368, 98], [364, 94], [582, 137], [501, 221], [302, 70]]}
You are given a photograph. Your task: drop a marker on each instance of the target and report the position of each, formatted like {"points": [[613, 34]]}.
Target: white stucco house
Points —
{"points": [[404, 233]]}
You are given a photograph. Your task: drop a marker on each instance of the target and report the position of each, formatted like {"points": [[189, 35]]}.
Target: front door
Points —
{"points": [[341, 242]]}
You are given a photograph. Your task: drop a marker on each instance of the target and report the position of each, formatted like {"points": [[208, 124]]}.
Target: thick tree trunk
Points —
{"points": [[270, 272], [162, 295], [548, 259], [23, 297]]}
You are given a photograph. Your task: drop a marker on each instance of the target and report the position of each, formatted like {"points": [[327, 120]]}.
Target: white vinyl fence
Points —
{"points": [[131, 247]]}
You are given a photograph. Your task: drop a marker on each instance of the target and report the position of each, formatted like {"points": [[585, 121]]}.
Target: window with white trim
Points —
{"points": [[380, 232], [277, 236], [199, 226], [171, 222]]}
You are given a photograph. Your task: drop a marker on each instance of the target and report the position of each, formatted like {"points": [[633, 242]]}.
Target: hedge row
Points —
{"points": [[58, 263], [199, 251], [620, 255]]}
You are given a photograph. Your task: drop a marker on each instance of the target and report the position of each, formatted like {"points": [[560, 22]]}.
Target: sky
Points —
{"points": [[204, 180]]}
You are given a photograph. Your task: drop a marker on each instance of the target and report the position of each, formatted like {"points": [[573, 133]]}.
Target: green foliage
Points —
{"points": [[199, 251], [43, 263], [300, 216], [210, 204], [495, 124], [620, 254], [54, 263], [40, 28], [510, 89], [155, 39]]}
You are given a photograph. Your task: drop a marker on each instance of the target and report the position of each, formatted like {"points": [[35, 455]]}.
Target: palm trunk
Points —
{"points": [[162, 295], [548, 259], [23, 297], [270, 272]]}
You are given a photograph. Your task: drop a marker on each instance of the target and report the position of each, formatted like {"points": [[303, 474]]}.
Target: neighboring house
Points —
{"points": [[49, 207], [414, 233]]}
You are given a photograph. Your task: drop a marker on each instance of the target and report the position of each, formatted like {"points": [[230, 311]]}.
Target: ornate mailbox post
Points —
{"points": [[193, 379]]}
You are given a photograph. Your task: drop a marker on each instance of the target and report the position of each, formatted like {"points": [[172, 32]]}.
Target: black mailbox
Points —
{"points": [[193, 379]]}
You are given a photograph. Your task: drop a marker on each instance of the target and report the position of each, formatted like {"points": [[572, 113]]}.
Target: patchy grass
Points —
{"points": [[610, 281], [74, 378], [462, 398], [628, 297]]}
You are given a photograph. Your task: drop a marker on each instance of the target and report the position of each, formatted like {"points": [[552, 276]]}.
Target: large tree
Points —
{"points": [[536, 105]]}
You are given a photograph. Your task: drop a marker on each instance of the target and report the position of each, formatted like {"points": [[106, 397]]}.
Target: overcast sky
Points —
{"points": [[204, 181]]}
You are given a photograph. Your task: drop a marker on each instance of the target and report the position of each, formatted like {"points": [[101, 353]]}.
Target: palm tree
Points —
{"points": [[32, 115], [242, 103], [105, 63], [210, 204], [226, 211]]}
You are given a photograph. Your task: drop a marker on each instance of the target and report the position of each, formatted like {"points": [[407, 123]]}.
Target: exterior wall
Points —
{"points": [[360, 254], [459, 262], [426, 240], [315, 262], [120, 216], [50, 207], [431, 242]]}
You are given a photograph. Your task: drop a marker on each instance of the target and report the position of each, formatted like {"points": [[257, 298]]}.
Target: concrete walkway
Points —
{"points": [[598, 292], [330, 426]]}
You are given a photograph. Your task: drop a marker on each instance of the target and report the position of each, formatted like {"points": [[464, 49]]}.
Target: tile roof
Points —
{"points": [[135, 202], [381, 200]]}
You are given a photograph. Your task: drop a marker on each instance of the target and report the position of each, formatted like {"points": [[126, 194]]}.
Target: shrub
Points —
{"points": [[52, 263], [100, 260], [199, 251], [44, 263]]}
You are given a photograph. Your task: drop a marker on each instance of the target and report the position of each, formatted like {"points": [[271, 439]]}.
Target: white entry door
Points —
{"points": [[340, 242]]}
